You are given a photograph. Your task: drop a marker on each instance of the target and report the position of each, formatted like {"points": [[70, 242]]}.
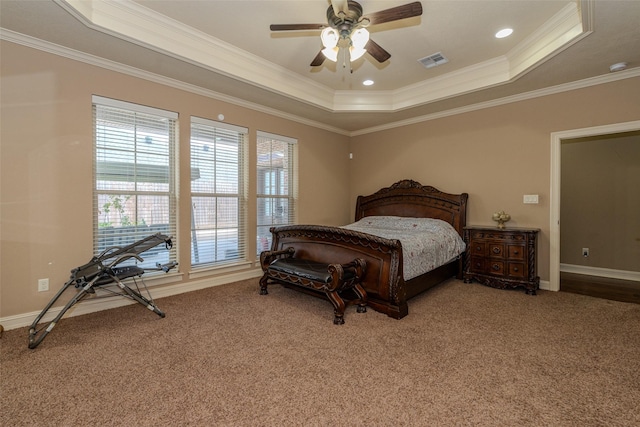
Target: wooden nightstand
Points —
{"points": [[501, 258]]}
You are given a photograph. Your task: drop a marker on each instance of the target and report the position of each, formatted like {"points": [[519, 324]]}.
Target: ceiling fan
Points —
{"points": [[346, 28]]}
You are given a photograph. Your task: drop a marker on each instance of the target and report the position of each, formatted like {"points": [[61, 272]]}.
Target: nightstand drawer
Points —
{"points": [[496, 250], [516, 252], [477, 265], [496, 267], [478, 249], [517, 269]]}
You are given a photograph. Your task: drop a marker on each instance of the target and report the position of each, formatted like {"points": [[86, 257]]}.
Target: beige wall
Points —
{"points": [[600, 201], [497, 154], [46, 166]]}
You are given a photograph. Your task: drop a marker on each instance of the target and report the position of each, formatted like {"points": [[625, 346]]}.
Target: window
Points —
{"points": [[218, 192], [134, 176], [277, 180]]}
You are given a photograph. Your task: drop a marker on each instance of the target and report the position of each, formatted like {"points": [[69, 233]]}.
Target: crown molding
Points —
{"points": [[139, 25], [135, 23], [567, 27], [459, 82], [65, 52], [579, 84], [466, 80], [75, 55], [558, 33]]}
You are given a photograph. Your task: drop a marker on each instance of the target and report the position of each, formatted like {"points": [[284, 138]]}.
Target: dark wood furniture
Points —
{"points": [[383, 281], [332, 279], [502, 258]]}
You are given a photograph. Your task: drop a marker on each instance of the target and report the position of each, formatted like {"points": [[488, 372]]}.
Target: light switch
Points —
{"points": [[530, 198]]}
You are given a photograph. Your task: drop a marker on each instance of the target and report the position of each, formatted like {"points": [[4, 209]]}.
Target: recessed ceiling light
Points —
{"points": [[367, 82], [618, 67], [504, 33]]}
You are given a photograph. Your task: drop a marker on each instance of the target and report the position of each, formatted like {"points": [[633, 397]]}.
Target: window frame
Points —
{"points": [[275, 190], [137, 174], [242, 133]]}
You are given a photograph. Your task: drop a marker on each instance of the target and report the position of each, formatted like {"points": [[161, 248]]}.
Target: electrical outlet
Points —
{"points": [[585, 252], [43, 285]]}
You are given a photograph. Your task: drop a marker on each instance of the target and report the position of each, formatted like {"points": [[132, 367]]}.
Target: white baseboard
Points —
{"points": [[545, 285], [601, 272], [92, 306]]}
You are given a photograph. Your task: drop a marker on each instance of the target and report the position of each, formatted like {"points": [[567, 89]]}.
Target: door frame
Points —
{"points": [[554, 214]]}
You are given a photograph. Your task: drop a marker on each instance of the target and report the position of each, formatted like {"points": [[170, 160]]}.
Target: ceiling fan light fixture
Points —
{"points": [[360, 38], [345, 28], [329, 37], [331, 53], [356, 53]]}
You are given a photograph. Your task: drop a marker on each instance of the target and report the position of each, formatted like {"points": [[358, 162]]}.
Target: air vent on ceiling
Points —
{"points": [[433, 60]]}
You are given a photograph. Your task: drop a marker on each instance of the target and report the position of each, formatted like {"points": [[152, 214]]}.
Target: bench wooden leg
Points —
{"points": [[339, 306], [362, 295], [263, 284]]}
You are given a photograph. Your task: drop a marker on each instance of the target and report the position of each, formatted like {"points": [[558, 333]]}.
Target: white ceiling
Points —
{"points": [[227, 49]]}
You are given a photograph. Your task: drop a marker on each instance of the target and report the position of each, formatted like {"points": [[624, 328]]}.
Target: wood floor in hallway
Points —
{"points": [[601, 287]]}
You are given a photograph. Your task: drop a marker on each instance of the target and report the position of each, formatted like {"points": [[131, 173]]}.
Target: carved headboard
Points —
{"points": [[409, 198]]}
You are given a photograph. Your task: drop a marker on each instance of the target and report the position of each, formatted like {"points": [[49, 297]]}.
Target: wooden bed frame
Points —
{"points": [[387, 291]]}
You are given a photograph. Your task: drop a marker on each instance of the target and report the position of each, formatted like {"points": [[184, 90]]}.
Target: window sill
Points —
{"points": [[163, 278], [219, 270]]}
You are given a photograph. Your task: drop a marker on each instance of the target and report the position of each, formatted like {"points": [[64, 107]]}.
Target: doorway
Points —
{"points": [[554, 217]]}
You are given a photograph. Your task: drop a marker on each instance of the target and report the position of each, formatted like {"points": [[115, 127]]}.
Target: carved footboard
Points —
{"points": [[383, 280]]}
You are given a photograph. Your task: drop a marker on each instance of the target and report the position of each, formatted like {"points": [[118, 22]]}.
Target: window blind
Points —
{"points": [[277, 182], [134, 176], [218, 192]]}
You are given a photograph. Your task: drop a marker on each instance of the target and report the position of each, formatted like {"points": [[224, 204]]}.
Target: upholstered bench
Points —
{"points": [[332, 279]]}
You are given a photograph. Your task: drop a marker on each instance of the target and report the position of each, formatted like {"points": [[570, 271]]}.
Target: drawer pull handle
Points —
{"points": [[496, 267], [496, 250], [477, 248], [516, 269], [515, 252]]}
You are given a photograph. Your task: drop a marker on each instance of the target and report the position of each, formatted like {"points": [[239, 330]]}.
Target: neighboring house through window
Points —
{"points": [[134, 176], [277, 182]]}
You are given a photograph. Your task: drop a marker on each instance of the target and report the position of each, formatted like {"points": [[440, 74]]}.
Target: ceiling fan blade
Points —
{"points": [[293, 27], [377, 51], [318, 60], [340, 6], [395, 13]]}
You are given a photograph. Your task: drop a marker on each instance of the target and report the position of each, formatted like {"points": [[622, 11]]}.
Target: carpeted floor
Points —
{"points": [[226, 356]]}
